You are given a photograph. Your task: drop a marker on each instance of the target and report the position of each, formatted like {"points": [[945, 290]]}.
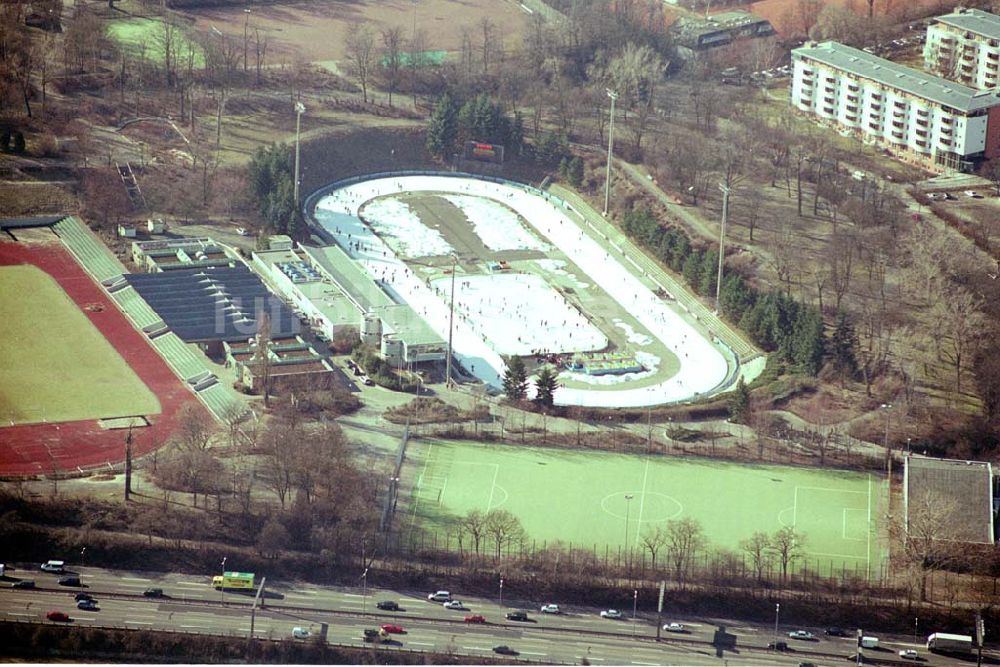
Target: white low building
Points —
{"points": [[920, 117], [965, 46]]}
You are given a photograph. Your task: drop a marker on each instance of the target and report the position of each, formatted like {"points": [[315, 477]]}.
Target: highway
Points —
{"points": [[191, 605]]}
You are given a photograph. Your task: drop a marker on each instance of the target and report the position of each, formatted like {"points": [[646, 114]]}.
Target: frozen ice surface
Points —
{"points": [[519, 314], [496, 225], [633, 336], [702, 365], [402, 230], [555, 267]]}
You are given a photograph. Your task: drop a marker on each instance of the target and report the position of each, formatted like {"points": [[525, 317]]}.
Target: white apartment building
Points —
{"points": [[920, 117], [965, 46]]}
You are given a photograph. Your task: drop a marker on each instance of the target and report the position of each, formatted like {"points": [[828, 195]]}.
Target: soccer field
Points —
{"points": [[56, 365], [580, 498]]}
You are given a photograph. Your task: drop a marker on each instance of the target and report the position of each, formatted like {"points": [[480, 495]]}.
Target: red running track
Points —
{"points": [[43, 448]]}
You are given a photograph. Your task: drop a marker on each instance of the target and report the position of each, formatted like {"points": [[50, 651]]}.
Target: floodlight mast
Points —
{"points": [[611, 143], [299, 110]]}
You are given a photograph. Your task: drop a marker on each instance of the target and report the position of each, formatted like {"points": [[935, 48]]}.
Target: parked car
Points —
{"points": [[836, 632], [551, 609], [611, 613], [88, 605], [58, 616], [393, 629], [674, 627], [24, 583], [475, 618], [973, 194], [517, 616], [69, 581], [454, 604], [909, 654], [801, 634], [777, 646], [504, 650], [301, 633], [387, 605], [153, 593], [83, 596], [937, 196]]}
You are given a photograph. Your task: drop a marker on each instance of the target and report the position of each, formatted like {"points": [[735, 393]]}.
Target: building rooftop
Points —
{"points": [[403, 322], [892, 75], [359, 287], [690, 30], [962, 489], [973, 20]]}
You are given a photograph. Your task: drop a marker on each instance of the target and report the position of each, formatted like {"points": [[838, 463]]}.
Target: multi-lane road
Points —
{"points": [[191, 605]]}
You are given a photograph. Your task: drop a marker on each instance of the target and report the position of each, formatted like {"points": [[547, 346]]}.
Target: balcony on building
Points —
{"points": [[828, 111]]}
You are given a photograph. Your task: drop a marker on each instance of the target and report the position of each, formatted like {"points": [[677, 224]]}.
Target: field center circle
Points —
{"points": [[506, 496], [656, 506]]}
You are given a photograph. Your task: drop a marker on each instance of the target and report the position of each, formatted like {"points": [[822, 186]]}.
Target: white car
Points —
{"points": [[301, 633], [242, 231], [972, 194], [674, 627], [800, 634], [611, 613], [909, 654], [551, 609], [454, 604], [937, 196], [53, 566]]}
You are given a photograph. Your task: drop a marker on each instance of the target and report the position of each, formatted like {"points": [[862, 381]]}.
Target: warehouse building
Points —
{"points": [[920, 117], [965, 46], [702, 36], [182, 253]]}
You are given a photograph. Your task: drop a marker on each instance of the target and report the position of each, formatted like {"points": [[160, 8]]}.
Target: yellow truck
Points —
{"points": [[233, 581]]}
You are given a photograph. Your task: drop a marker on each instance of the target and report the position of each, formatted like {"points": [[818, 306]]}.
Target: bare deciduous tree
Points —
{"points": [[361, 55]]}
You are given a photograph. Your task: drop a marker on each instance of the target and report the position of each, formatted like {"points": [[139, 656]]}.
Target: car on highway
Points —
{"points": [[454, 604], [69, 581], [87, 605], [153, 593], [24, 583], [937, 196], [551, 609], [301, 633], [387, 605], [475, 618], [373, 635], [517, 615], [83, 596], [972, 194], [440, 596], [674, 627], [801, 634], [393, 629], [503, 649], [58, 616], [834, 631], [611, 613], [53, 566], [909, 654], [777, 646]]}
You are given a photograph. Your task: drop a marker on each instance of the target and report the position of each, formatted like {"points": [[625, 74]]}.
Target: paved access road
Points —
{"points": [[193, 606]]}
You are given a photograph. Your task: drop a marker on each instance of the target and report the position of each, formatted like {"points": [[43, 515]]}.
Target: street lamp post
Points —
{"points": [[722, 243], [299, 110], [777, 612], [628, 504], [635, 602], [364, 591], [885, 443], [222, 588], [501, 592], [611, 143], [451, 322]]}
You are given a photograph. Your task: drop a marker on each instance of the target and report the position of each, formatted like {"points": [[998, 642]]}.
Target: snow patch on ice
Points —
{"points": [[555, 267], [402, 229], [497, 226], [633, 336]]}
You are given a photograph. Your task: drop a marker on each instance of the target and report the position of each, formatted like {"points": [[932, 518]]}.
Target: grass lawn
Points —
{"points": [[580, 498], [56, 365], [145, 36]]}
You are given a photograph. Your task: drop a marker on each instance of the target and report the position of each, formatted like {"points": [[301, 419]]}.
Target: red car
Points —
{"points": [[475, 618], [394, 629], [58, 616]]}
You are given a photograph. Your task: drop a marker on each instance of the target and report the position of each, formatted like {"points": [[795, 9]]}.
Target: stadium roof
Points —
{"points": [[966, 486], [900, 77], [212, 304], [973, 20]]}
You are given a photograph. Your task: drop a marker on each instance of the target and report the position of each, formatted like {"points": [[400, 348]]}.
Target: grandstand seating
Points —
{"points": [[93, 255], [135, 307]]}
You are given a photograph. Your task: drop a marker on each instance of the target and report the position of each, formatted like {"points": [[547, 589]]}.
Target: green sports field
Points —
{"points": [[145, 36], [56, 366], [580, 498]]}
